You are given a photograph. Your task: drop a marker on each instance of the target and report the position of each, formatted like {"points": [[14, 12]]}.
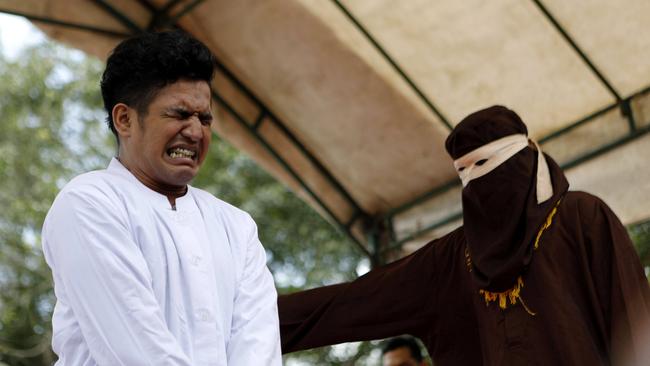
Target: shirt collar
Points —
{"points": [[157, 199]]}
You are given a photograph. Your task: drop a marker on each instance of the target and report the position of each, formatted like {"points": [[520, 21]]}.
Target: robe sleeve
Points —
{"points": [[394, 299], [103, 278], [255, 334], [621, 286]]}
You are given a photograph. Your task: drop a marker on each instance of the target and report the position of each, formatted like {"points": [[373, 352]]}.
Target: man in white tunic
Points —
{"points": [[147, 269]]}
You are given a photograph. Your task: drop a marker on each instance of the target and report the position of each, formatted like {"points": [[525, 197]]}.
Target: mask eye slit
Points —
{"points": [[481, 162]]}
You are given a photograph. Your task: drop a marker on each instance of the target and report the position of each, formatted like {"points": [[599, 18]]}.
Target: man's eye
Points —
{"points": [[461, 168], [178, 116], [206, 119], [481, 162]]}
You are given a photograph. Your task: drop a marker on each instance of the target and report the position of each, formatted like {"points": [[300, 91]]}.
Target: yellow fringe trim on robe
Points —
{"points": [[547, 223], [513, 294]]}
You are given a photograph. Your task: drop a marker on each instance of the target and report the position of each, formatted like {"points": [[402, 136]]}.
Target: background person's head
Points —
{"points": [[402, 351], [156, 90]]}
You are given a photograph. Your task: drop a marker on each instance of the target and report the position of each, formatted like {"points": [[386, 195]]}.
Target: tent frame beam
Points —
{"points": [[71, 25], [119, 16], [583, 55], [382, 50], [162, 19]]}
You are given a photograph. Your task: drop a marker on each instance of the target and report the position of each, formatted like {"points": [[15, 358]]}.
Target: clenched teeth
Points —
{"points": [[181, 153]]}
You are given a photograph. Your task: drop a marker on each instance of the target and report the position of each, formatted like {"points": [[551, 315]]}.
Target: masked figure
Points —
{"points": [[537, 275]]}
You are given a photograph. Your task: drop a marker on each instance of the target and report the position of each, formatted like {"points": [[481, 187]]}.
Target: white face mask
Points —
{"points": [[484, 159]]}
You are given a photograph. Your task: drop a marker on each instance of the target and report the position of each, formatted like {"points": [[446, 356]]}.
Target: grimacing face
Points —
{"points": [[165, 148], [400, 357]]}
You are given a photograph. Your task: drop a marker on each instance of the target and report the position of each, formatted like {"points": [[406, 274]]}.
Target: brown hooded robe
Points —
{"points": [[584, 284]]}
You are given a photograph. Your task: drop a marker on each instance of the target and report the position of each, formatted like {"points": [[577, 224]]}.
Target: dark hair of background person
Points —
{"points": [[404, 341], [139, 67]]}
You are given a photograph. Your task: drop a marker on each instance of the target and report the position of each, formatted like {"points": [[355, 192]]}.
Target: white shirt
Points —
{"points": [[138, 283]]}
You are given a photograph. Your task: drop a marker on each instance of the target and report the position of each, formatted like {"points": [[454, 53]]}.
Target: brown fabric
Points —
{"points": [[585, 283], [500, 210]]}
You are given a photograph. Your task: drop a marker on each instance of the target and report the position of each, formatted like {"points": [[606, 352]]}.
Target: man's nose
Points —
{"points": [[193, 130]]}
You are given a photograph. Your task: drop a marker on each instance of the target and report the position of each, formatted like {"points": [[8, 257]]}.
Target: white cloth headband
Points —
{"points": [[484, 159]]}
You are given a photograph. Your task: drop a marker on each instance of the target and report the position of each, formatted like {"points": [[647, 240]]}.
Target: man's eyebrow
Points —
{"points": [[185, 111], [177, 110]]}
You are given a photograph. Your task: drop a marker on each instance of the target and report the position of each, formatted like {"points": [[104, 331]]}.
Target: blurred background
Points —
{"points": [[52, 128]]}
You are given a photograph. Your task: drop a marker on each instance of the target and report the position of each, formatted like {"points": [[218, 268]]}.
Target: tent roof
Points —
{"points": [[349, 102]]}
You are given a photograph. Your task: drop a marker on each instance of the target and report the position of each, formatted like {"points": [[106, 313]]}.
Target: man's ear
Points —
{"points": [[123, 119]]}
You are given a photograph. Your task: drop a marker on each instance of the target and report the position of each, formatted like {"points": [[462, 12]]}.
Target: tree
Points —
{"points": [[43, 89], [640, 234]]}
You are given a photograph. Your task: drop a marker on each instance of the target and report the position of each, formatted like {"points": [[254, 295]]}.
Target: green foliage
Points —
{"points": [[640, 234], [45, 87]]}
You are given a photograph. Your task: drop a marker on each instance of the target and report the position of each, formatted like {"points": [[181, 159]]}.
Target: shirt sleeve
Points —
{"points": [[621, 286], [101, 275], [255, 334], [391, 300]]}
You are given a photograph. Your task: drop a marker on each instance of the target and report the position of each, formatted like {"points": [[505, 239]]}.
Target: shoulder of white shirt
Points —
{"points": [[104, 182]]}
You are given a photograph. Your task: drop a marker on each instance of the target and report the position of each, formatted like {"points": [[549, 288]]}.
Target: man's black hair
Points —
{"points": [[403, 341], [139, 67]]}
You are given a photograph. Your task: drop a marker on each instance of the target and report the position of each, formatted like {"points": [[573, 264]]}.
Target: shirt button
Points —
{"points": [[195, 260], [203, 315]]}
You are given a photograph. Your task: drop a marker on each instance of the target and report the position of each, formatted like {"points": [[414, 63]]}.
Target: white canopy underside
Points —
{"points": [[349, 102]]}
